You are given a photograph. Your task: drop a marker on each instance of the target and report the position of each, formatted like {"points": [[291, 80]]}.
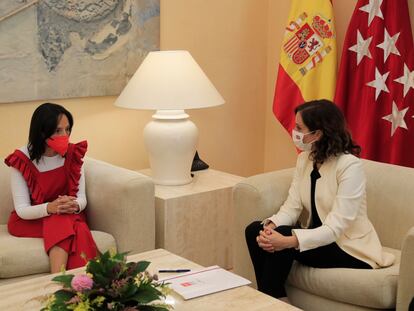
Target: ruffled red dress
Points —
{"points": [[68, 231]]}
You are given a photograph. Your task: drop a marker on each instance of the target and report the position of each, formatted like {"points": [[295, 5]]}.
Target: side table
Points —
{"points": [[196, 220]]}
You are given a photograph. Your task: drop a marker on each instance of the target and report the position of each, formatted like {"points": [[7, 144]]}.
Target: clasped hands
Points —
{"points": [[64, 204], [271, 240]]}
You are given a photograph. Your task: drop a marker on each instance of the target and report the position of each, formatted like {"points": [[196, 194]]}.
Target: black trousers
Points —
{"points": [[411, 306], [272, 269]]}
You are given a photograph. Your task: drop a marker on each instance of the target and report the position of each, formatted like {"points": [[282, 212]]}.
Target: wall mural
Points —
{"points": [[70, 48]]}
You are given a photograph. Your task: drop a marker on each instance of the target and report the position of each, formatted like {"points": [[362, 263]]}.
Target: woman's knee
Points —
{"points": [[252, 230], [25, 230], [13, 230]]}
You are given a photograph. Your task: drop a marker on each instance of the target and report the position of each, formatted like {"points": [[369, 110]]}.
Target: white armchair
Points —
{"points": [[120, 214], [390, 198]]}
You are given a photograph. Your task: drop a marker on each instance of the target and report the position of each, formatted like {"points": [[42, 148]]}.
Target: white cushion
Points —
{"points": [[374, 288], [23, 256]]}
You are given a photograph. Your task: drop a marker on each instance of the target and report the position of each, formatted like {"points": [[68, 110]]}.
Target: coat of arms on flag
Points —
{"points": [[307, 42], [307, 67]]}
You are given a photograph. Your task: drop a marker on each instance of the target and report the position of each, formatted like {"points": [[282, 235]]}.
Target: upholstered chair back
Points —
{"points": [[390, 201], [6, 200]]}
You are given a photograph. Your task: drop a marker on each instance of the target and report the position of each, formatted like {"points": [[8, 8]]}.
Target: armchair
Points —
{"points": [[120, 214], [389, 198]]}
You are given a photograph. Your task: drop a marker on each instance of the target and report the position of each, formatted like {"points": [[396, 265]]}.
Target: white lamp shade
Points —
{"points": [[169, 80]]}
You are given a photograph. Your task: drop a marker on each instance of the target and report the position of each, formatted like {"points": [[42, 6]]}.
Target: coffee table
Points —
{"points": [[22, 295]]}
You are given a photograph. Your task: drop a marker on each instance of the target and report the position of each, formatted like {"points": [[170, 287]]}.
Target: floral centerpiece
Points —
{"points": [[110, 283]]}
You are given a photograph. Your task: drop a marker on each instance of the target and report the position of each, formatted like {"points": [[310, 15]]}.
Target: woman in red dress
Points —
{"points": [[48, 187]]}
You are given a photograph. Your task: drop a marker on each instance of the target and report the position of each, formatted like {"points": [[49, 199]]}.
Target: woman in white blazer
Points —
{"points": [[329, 183]]}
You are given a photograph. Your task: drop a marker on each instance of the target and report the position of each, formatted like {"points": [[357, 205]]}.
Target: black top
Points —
{"points": [[316, 221]]}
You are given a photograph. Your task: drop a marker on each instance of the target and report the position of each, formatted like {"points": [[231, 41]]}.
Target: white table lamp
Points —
{"points": [[169, 82]]}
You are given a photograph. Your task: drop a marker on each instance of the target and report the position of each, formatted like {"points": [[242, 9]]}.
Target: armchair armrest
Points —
{"points": [[405, 290], [255, 198], [121, 202]]}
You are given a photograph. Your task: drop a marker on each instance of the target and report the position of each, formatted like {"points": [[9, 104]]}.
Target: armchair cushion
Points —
{"points": [[379, 285], [14, 259]]}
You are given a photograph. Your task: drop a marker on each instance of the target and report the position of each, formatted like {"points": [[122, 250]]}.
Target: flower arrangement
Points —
{"points": [[110, 283]]}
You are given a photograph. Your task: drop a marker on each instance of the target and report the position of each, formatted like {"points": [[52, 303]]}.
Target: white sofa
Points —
{"points": [[390, 198], [120, 214]]}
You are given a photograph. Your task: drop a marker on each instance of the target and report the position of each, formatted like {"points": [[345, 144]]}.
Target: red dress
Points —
{"points": [[68, 231]]}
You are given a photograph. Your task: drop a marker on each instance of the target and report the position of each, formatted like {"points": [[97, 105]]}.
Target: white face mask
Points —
{"points": [[298, 140]]}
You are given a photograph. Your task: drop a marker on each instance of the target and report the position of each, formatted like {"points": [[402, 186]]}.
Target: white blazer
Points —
{"points": [[340, 199]]}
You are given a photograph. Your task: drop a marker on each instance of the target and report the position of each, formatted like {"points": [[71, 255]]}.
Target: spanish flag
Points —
{"points": [[307, 68]]}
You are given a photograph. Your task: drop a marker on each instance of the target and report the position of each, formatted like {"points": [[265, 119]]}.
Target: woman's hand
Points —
{"points": [[64, 204], [269, 225], [264, 243], [68, 205], [271, 240]]}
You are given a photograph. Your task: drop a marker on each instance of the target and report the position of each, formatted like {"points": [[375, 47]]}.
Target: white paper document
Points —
{"points": [[205, 281]]}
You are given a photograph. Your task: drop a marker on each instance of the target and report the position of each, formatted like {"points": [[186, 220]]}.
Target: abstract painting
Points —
{"points": [[53, 49]]}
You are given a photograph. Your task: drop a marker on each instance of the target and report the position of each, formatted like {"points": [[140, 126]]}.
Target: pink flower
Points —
{"points": [[81, 282]]}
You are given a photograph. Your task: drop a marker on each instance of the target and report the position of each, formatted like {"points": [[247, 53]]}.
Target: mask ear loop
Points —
{"points": [[313, 140], [309, 132]]}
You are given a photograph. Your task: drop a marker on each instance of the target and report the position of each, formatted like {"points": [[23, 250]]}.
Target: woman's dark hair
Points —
{"points": [[325, 116], [44, 122]]}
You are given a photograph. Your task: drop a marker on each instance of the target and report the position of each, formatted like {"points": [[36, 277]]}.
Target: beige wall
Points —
{"points": [[279, 150], [228, 41], [237, 43], [113, 134]]}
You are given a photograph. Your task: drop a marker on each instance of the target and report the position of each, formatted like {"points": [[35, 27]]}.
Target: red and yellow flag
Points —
{"points": [[307, 68]]}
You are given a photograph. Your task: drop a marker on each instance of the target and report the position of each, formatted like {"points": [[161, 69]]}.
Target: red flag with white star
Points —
{"points": [[375, 88]]}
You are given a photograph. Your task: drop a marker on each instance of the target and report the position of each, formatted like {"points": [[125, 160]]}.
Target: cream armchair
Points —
{"points": [[390, 196], [120, 214]]}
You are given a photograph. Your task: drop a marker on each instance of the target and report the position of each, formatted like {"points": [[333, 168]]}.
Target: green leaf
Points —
{"points": [[129, 291], [120, 257], [105, 256], [94, 267], [146, 294], [101, 280], [142, 266], [65, 279], [64, 295], [61, 296]]}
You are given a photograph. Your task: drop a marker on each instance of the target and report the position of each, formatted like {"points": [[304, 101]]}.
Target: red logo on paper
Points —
{"points": [[186, 284]]}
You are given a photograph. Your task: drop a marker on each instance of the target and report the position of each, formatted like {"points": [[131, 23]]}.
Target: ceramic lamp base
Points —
{"points": [[171, 139]]}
